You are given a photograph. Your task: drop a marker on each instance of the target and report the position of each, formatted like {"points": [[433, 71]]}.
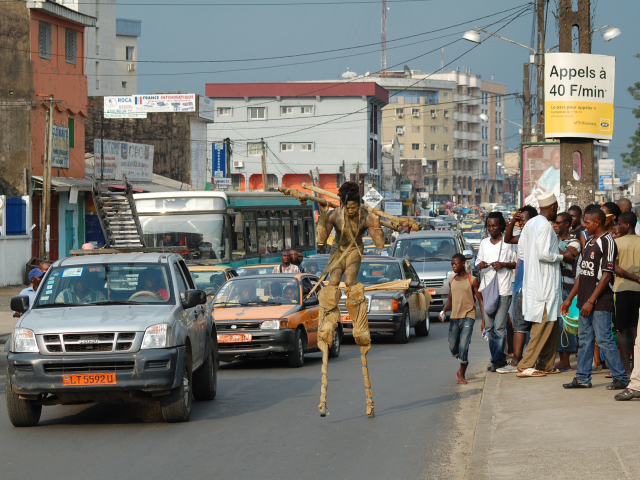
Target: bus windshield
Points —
{"points": [[202, 234]]}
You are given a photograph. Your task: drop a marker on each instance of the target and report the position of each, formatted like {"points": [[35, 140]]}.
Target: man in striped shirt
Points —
{"points": [[594, 287]]}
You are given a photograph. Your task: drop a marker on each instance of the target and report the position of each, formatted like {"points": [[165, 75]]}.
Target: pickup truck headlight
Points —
{"points": [[270, 325], [450, 275], [24, 341], [384, 305], [156, 336]]}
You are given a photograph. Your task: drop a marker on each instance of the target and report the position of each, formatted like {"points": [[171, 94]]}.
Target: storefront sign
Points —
{"points": [[121, 107], [579, 92], [60, 157], [219, 156], [393, 208]]}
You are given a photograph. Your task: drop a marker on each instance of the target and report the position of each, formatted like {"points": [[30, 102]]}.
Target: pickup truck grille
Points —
{"points": [[89, 367], [433, 282], [88, 342], [239, 325]]}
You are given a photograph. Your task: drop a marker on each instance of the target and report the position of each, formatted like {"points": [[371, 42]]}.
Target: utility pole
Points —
{"points": [[45, 214], [541, 27], [264, 167], [344, 173], [580, 192], [358, 176], [383, 40], [526, 106]]}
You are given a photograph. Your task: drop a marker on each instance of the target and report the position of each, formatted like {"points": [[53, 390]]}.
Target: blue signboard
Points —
{"points": [[219, 156]]}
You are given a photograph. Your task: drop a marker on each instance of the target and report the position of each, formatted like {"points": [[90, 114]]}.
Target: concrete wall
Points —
{"points": [[16, 95], [122, 66], [169, 133], [15, 252], [343, 139]]}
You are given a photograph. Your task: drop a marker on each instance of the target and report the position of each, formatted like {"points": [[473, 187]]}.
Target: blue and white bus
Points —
{"points": [[235, 228]]}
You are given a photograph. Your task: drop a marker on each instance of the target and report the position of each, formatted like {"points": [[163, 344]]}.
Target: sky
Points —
{"points": [[174, 30]]}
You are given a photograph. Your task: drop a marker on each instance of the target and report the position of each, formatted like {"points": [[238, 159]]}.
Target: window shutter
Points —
{"points": [[72, 128]]}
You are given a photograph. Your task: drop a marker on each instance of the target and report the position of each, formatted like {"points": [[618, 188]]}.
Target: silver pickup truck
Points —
{"points": [[112, 327]]}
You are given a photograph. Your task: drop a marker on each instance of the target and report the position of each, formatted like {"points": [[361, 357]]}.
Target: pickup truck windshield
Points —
{"points": [[434, 249], [105, 284], [373, 273], [252, 291]]}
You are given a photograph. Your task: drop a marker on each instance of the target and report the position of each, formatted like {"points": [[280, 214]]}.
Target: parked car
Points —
{"points": [[112, 327], [390, 311], [255, 269], [211, 277], [430, 255], [268, 315]]}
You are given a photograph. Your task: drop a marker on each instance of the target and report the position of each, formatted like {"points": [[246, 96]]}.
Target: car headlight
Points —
{"points": [[384, 304], [156, 336], [450, 275], [270, 325], [24, 341]]}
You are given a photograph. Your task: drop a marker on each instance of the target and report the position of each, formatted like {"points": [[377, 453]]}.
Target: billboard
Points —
{"points": [[135, 160], [60, 157], [541, 169], [178, 102], [121, 107], [579, 90], [206, 109]]}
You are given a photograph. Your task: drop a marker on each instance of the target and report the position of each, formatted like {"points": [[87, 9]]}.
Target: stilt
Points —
{"points": [[322, 408], [367, 383]]}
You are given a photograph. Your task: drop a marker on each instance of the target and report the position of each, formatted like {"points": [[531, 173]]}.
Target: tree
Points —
{"points": [[632, 158]]}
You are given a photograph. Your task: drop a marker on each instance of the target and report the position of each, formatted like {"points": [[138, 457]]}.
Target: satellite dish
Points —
{"points": [[367, 74], [407, 72], [349, 74]]}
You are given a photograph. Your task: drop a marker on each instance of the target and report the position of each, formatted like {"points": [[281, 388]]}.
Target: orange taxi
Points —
{"points": [[268, 315]]}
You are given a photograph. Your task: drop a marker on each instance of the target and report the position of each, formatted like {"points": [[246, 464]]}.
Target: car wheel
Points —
{"points": [[423, 328], [296, 358], [22, 413], [205, 379], [176, 407], [334, 352], [402, 335]]}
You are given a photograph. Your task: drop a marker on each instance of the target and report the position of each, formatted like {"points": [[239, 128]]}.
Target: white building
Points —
{"points": [[330, 129], [106, 65]]}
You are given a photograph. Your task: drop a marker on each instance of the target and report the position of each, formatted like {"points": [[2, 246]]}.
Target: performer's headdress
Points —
{"points": [[349, 191]]}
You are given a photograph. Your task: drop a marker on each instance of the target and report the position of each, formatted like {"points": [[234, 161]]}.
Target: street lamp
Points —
{"points": [[611, 33]]}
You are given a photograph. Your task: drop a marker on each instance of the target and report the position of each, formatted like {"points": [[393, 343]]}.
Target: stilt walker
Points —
{"points": [[350, 221]]}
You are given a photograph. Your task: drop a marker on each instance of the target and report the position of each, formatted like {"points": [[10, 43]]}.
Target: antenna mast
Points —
{"points": [[383, 40]]}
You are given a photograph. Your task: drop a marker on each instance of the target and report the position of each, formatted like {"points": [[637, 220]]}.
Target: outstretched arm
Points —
{"points": [[325, 224], [508, 233], [375, 230]]}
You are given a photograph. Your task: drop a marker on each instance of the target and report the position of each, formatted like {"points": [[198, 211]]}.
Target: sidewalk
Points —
{"points": [[532, 428]]}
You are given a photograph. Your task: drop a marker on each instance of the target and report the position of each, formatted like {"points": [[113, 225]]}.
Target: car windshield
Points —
{"points": [[210, 281], [315, 265], [430, 249], [202, 235], [107, 283], [373, 273], [259, 292], [249, 270], [473, 235]]}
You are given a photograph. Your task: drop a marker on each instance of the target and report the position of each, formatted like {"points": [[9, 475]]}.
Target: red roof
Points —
{"points": [[285, 89]]}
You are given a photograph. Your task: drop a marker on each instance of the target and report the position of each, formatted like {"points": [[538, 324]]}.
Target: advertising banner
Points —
{"points": [[541, 169], [206, 109], [121, 107], [60, 157], [393, 208], [605, 173], [579, 92], [135, 160], [182, 102], [219, 156]]}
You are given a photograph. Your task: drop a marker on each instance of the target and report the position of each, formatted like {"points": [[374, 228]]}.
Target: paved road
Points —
{"points": [[264, 424]]}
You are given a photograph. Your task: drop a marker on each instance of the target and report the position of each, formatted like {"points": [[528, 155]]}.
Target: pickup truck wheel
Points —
{"points": [[205, 379], [422, 329], [296, 358], [22, 413], [334, 352], [402, 335], [176, 407]]}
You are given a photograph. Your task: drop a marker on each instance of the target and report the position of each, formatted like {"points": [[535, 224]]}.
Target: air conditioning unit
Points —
{"points": [[446, 115], [434, 115], [131, 67], [416, 114], [401, 115], [238, 164], [400, 132]]}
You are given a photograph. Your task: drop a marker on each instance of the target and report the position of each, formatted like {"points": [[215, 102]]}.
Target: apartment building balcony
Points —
{"points": [[462, 117], [461, 98], [474, 136], [475, 82], [459, 153]]}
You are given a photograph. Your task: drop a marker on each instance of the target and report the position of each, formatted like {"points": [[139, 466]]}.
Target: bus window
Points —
{"points": [[263, 233], [276, 231], [297, 228], [250, 237], [308, 232], [286, 221]]}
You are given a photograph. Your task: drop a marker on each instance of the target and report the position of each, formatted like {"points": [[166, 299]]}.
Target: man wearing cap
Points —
{"points": [[35, 276], [542, 288]]}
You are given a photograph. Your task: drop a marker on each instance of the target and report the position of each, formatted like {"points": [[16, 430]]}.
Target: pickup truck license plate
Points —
{"points": [[82, 379], [235, 338], [432, 291]]}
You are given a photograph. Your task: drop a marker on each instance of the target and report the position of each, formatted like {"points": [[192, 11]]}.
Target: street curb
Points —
{"points": [[478, 466]]}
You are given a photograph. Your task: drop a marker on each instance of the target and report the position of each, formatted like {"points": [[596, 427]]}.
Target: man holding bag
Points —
{"points": [[542, 288], [497, 260]]}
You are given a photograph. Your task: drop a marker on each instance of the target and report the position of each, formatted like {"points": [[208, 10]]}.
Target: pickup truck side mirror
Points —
{"points": [[20, 303], [415, 284], [311, 302], [468, 254], [193, 298]]}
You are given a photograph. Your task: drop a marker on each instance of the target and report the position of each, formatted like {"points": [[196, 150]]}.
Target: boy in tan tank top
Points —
{"points": [[463, 291]]}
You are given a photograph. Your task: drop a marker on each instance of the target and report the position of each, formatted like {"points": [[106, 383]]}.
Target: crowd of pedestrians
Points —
{"points": [[543, 273]]}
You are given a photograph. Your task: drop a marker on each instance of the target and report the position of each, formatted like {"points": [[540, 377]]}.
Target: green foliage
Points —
{"points": [[632, 158]]}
